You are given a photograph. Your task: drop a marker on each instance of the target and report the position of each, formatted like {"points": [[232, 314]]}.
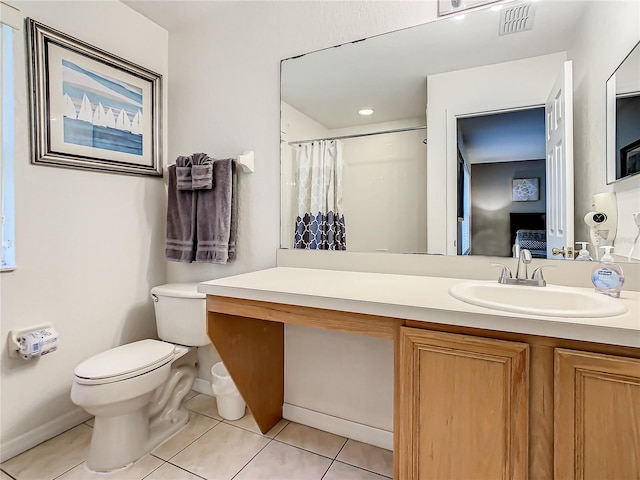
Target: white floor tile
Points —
{"points": [[53, 457], [342, 471], [221, 452], [198, 425], [366, 456], [284, 462], [171, 472], [312, 439], [204, 405]]}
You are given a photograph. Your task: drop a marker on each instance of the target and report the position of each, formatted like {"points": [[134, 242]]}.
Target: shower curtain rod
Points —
{"points": [[397, 130]]}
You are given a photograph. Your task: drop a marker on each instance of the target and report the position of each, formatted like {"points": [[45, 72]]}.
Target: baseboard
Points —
{"points": [[42, 433], [202, 386], [339, 426]]}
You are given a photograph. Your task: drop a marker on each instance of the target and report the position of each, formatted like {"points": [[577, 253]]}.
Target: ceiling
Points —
{"points": [[175, 15], [510, 136]]}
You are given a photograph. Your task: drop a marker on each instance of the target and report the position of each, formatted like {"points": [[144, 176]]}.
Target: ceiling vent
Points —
{"points": [[517, 19]]}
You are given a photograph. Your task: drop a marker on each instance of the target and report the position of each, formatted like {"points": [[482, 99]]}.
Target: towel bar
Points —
{"points": [[245, 161]]}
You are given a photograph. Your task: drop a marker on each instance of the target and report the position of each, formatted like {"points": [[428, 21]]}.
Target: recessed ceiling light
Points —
{"points": [[365, 111], [460, 17], [496, 8]]}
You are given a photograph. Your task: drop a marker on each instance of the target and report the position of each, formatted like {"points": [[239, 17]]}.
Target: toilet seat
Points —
{"points": [[124, 362]]}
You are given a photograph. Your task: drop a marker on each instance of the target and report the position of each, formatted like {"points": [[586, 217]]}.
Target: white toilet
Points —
{"points": [[136, 391]]}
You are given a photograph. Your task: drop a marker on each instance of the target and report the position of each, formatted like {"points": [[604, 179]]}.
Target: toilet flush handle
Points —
{"points": [[155, 297]]}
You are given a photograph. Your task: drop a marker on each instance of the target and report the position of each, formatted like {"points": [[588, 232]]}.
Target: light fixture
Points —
{"points": [[365, 111], [496, 8], [459, 17]]}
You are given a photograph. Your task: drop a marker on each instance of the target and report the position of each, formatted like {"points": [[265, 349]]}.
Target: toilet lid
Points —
{"points": [[125, 361]]}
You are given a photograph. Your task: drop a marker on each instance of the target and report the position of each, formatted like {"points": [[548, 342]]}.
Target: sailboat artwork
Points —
{"points": [[100, 111]]}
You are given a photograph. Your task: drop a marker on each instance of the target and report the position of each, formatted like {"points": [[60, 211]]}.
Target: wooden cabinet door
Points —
{"points": [[463, 410], [596, 416]]}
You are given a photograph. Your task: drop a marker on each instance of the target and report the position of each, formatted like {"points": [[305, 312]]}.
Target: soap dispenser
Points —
{"points": [[608, 277], [583, 254]]}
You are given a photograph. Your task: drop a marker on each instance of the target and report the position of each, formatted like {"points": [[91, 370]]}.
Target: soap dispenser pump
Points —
{"points": [[583, 254], [608, 277]]}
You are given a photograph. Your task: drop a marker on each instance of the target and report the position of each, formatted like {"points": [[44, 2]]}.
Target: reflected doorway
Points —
{"points": [[502, 183]]}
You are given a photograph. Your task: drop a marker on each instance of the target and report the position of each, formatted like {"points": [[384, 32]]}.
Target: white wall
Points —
{"points": [[89, 245], [517, 84], [225, 99], [385, 192], [596, 54]]}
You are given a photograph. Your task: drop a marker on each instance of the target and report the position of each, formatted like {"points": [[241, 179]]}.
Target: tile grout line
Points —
{"points": [[180, 468], [303, 449], [66, 471], [159, 466], [327, 470], [362, 468], [188, 445], [335, 459], [7, 474], [252, 458]]}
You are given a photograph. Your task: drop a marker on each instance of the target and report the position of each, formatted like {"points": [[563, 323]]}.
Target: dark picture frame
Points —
{"points": [[90, 109], [630, 159]]}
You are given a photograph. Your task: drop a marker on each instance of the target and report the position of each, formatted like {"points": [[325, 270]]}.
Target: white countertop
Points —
{"points": [[417, 298]]}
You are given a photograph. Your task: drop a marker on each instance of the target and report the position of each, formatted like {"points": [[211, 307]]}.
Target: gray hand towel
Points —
{"points": [[214, 216], [201, 172], [181, 221], [183, 173]]}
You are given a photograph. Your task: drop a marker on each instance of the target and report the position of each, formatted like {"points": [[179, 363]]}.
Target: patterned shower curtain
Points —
{"points": [[320, 221]]}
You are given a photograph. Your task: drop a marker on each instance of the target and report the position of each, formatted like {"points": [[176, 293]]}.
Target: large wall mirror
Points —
{"points": [[623, 119], [454, 137]]}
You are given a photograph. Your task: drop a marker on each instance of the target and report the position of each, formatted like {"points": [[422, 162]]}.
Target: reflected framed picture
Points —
{"points": [[90, 109], [630, 159], [526, 189]]}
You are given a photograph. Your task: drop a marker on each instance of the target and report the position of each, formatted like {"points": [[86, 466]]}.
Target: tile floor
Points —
{"points": [[214, 449]]}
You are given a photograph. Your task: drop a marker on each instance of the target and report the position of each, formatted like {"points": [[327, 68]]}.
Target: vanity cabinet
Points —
{"points": [[463, 407], [469, 402], [476, 407], [596, 416]]}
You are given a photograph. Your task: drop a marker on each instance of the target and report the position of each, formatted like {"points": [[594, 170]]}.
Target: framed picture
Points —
{"points": [[526, 189], [90, 109], [630, 159]]}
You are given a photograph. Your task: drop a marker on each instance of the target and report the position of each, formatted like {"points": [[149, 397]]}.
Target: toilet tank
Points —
{"points": [[181, 314]]}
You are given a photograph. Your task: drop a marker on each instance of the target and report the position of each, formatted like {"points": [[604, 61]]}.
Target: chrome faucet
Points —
{"points": [[524, 259]]}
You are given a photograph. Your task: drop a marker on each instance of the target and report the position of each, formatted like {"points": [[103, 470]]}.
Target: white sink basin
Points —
{"points": [[552, 301]]}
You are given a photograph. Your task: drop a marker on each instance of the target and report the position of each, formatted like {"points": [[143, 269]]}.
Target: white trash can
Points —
{"points": [[231, 406]]}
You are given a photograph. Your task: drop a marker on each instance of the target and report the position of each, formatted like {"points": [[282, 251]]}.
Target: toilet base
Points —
{"points": [[121, 440]]}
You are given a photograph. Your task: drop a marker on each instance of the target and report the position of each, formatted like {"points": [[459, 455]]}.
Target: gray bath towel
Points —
{"points": [[215, 216], [234, 212], [181, 216]]}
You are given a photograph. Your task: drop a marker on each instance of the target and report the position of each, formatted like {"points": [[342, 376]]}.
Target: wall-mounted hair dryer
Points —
{"points": [[602, 221]]}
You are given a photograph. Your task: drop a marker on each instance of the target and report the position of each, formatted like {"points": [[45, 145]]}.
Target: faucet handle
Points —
{"points": [[537, 274], [506, 272], [525, 256]]}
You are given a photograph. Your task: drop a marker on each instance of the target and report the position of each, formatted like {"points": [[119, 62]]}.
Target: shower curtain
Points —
{"points": [[320, 221]]}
